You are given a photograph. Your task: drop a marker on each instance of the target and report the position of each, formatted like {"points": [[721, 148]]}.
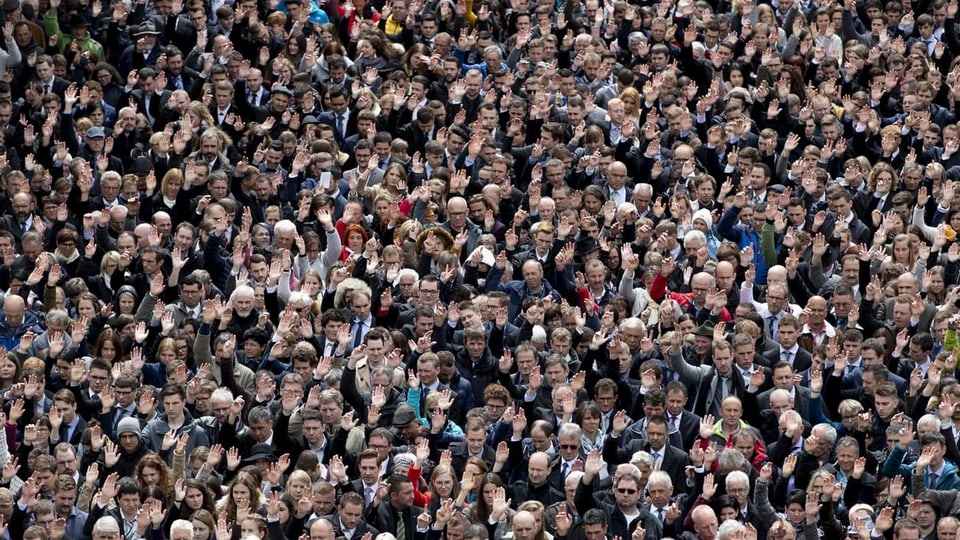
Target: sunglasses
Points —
{"points": [[627, 491]]}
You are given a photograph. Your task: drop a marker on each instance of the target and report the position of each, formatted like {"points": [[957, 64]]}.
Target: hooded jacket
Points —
{"points": [[152, 436]]}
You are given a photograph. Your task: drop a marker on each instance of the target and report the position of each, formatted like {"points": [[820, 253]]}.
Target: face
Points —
{"points": [[886, 406], [656, 435], [627, 494], [129, 503], [538, 469], [723, 360], [350, 515]]}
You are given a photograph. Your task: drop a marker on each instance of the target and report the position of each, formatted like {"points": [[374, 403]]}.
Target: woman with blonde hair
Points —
{"points": [[630, 97], [173, 197]]}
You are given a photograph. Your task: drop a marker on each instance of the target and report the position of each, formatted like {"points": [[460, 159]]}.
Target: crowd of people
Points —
{"points": [[476, 270]]}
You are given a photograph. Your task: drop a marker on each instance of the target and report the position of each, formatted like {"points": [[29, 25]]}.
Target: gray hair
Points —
{"points": [[641, 458], [570, 430], [828, 432], [221, 394], [737, 476], [284, 226], [729, 529], [108, 525], [694, 236], [241, 290], [732, 460], [58, 316], [660, 477], [182, 525]]}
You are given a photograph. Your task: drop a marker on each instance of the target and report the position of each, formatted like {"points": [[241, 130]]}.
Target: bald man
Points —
{"points": [[817, 330], [16, 322], [616, 185], [541, 484]]}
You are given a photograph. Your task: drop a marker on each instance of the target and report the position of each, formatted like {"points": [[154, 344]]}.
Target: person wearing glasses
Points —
{"points": [[626, 513]]}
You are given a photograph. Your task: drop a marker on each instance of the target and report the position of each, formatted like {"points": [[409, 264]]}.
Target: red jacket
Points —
{"points": [[659, 289]]}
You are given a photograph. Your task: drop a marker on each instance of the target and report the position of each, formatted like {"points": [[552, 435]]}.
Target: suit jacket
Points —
{"points": [[384, 518], [77, 436], [361, 529], [673, 460], [330, 119], [802, 360], [154, 109], [689, 428], [702, 382], [801, 399]]}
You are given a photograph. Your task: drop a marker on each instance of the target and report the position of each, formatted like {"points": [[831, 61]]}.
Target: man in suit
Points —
{"points": [[841, 201], [656, 442], [710, 384], [50, 83], [179, 76], [918, 355], [898, 317], [679, 418], [416, 132], [783, 379], [251, 89], [260, 421], [339, 117], [184, 30], [71, 424], [789, 351], [738, 486], [151, 96], [368, 471], [126, 493], [223, 110], [348, 522], [397, 515], [475, 444], [767, 419]]}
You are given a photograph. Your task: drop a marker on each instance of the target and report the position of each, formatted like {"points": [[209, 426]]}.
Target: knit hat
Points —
{"points": [[128, 425], [704, 215], [407, 459]]}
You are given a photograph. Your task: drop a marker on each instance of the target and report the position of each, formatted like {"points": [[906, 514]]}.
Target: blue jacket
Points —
{"points": [[729, 229], [10, 337], [894, 465]]}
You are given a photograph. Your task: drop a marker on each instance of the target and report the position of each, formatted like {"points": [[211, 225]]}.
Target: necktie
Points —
{"points": [[656, 457], [564, 470], [850, 369], [178, 82], [773, 325], [660, 514], [401, 527], [358, 334], [720, 392], [674, 420], [46, 89], [788, 357], [25, 227], [64, 432], [368, 497], [933, 478], [340, 125]]}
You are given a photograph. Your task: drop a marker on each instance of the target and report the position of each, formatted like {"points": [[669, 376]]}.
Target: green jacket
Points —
{"points": [[86, 43]]}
